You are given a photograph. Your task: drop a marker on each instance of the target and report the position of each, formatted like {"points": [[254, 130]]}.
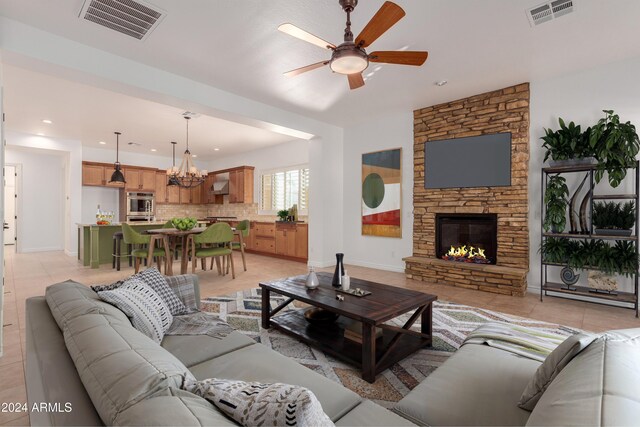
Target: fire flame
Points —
{"points": [[463, 254]]}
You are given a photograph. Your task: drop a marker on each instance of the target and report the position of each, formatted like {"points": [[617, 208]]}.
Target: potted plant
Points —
{"points": [[626, 258], [555, 250], [283, 215], [555, 199], [615, 145], [613, 218], [568, 145]]}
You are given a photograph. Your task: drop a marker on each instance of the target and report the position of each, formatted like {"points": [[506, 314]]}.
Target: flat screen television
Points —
{"points": [[476, 161]]}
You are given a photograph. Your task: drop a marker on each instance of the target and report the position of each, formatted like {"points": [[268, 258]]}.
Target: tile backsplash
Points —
{"points": [[239, 210]]}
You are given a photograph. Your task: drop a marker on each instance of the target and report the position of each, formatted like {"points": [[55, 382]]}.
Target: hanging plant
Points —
{"points": [[555, 199], [615, 145]]}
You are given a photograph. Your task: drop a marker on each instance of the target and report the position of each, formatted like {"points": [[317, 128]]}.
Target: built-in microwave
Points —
{"points": [[140, 206]]}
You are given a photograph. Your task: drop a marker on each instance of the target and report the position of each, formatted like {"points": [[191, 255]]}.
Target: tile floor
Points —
{"points": [[28, 275]]}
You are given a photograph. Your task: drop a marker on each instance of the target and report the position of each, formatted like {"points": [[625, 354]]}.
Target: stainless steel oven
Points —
{"points": [[140, 206]]}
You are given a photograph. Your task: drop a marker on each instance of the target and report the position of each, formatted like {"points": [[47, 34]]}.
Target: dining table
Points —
{"points": [[169, 235]]}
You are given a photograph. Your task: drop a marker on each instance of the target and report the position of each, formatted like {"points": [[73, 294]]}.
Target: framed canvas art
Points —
{"points": [[382, 193]]}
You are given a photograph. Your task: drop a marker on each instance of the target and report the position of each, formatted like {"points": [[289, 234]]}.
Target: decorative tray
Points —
{"points": [[357, 292]]}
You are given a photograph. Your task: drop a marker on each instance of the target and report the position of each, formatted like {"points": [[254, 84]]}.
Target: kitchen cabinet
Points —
{"points": [[185, 196], [241, 185], [140, 179], [286, 240], [173, 194], [98, 174], [207, 193], [161, 187], [196, 195], [302, 241]]}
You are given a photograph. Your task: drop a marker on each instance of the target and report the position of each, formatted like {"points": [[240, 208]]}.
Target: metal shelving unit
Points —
{"points": [[553, 289]]}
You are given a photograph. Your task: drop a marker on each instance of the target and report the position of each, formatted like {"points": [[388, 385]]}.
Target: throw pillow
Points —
{"points": [[551, 367], [184, 287], [109, 287], [253, 404], [148, 312], [158, 283]]}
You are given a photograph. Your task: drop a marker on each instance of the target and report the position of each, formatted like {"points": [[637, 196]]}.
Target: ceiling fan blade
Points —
{"points": [[385, 18], [399, 57], [301, 70], [355, 81], [294, 31]]}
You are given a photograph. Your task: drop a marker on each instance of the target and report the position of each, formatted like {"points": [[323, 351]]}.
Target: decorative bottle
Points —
{"points": [[337, 275], [346, 281], [312, 279]]}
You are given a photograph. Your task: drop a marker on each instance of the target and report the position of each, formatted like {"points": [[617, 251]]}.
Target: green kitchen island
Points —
{"points": [[95, 242]]}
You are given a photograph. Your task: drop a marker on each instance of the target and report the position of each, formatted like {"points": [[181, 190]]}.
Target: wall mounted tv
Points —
{"points": [[476, 161]]}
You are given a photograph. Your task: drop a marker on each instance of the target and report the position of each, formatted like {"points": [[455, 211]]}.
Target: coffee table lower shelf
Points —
{"points": [[330, 339]]}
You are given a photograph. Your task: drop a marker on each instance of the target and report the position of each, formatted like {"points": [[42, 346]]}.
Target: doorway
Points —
{"points": [[10, 204]]}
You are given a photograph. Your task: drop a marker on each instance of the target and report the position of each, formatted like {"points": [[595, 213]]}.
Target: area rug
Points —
{"points": [[451, 324]]}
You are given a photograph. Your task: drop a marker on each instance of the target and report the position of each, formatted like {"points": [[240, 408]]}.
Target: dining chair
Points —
{"points": [[133, 238], [214, 242], [243, 226]]}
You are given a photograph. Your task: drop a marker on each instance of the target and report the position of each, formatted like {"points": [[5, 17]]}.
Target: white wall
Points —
{"points": [[91, 154], [107, 198], [40, 198], [579, 97], [71, 152], [391, 131]]}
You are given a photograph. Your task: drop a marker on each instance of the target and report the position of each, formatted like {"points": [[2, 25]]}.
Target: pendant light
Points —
{"points": [[172, 172], [117, 175], [188, 176]]}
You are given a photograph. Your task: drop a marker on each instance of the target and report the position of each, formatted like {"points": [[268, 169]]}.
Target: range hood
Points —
{"points": [[220, 187]]}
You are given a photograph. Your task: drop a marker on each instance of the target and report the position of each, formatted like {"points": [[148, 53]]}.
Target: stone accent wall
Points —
{"points": [[504, 110]]}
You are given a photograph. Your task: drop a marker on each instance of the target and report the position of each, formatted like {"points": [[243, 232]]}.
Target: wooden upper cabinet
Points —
{"points": [[140, 179], [196, 195], [161, 187], [241, 185], [148, 180], [98, 174], [207, 192], [173, 194], [185, 195], [133, 178], [93, 174]]}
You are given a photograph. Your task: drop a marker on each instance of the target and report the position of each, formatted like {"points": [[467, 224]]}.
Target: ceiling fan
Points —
{"points": [[350, 57]]}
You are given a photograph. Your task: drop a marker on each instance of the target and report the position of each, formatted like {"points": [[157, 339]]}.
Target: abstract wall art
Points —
{"points": [[382, 193]]}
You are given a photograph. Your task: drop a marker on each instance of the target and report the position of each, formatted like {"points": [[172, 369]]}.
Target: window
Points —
{"points": [[282, 188]]}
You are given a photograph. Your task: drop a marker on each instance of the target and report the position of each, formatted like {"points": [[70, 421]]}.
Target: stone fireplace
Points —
{"points": [[471, 238], [437, 212]]}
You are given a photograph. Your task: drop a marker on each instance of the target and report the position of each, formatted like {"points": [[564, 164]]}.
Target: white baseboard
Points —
{"points": [[72, 254], [321, 264], [31, 250]]}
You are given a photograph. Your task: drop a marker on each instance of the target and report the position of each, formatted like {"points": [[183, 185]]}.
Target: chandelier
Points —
{"points": [[187, 175]]}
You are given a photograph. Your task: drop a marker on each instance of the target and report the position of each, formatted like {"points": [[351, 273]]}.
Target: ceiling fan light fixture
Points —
{"points": [[349, 60]]}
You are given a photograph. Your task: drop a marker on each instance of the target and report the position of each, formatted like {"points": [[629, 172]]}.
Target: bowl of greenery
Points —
{"points": [[614, 219], [184, 224]]}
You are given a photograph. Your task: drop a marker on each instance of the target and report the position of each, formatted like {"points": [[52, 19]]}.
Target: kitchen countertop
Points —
{"points": [[118, 224]]}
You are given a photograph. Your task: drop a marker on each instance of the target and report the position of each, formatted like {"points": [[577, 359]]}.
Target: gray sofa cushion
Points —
{"points": [[552, 366], [178, 408], [478, 385], [599, 387], [261, 364], [368, 413], [194, 349], [68, 300]]}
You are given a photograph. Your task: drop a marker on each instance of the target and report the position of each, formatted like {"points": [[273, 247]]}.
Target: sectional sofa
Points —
{"points": [[83, 354]]}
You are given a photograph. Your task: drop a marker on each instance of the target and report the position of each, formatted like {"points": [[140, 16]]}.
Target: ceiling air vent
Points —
{"points": [[549, 11], [132, 18]]}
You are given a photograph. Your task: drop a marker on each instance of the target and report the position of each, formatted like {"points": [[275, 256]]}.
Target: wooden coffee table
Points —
{"points": [[374, 355]]}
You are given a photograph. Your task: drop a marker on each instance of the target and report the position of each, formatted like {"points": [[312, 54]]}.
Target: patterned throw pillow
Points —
{"points": [[254, 404], [184, 288], [148, 312], [109, 287], [158, 283]]}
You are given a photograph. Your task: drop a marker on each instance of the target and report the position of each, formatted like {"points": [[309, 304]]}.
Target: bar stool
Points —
{"points": [[117, 251]]}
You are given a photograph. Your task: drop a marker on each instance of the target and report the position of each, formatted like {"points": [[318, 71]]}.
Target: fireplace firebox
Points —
{"points": [[471, 238]]}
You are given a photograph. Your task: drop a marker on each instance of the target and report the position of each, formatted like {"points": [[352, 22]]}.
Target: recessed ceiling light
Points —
{"points": [[40, 134], [194, 155], [47, 121], [102, 143], [216, 149], [154, 150], [441, 83], [370, 74], [378, 68]]}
